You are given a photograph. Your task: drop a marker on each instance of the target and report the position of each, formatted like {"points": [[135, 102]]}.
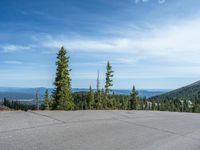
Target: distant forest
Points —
{"points": [[62, 97]]}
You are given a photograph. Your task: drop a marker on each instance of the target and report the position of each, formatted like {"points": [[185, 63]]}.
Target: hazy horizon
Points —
{"points": [[77, 88], [153, 44]]}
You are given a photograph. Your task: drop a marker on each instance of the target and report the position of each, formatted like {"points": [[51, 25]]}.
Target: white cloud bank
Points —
{"points": [[173, 50], [175, 46], [179, 41]]}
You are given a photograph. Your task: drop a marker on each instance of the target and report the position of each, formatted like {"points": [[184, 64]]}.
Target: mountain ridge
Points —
{"points": [[188, 92]]}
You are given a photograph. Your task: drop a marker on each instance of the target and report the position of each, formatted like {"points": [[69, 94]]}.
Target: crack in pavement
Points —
{"points": [[74, 121], [33, 127], [60, 122], [118, 118], [49, 117], [158, 129]]}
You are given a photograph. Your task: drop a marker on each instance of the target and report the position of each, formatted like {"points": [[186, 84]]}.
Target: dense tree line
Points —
{"points": [[62, 97], [17, 105], [176, 105], [186, 99]]}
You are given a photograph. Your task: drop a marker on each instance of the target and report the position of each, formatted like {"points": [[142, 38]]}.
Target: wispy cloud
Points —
{"points": [[13, 48], [144, 1], [32, 12], [79, 44], [13, 62], [87, 44], [161, 43], [175, 41], [161, 1], [178, 41], [169, 51]]}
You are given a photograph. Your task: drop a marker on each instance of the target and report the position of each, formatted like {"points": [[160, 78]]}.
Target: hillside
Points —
{"points": [[3, 108], [189, 92]]}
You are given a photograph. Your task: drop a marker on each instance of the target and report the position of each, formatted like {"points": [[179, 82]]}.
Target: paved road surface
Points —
{"points": [[99, 130]]}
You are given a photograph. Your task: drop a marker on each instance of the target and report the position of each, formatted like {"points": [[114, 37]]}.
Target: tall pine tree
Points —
{"points": [[98, 96], [134, 99], [63, 99], [109, 75]]}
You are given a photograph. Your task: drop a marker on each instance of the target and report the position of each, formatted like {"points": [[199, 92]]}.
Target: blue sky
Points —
{"points": [[154, 44]]}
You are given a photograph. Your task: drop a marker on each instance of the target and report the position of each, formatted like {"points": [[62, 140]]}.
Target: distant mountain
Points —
{"points": [[143, 92], [189, 92], [150, 93], [16, 93], [23, 90]]}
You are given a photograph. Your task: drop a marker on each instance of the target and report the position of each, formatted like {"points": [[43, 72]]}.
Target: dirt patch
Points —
{"points": [[2, 108]]}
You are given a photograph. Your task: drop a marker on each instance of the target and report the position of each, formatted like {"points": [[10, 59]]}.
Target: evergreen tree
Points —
{"points": [[98, 83], [109, 75], [46, 100], [185, 106], [134, 99], [90, 98], [106, 101], [102, 102], [153, 105], [98, 93], [196, 105], [62, 95], [142, 104], [158, 105]]}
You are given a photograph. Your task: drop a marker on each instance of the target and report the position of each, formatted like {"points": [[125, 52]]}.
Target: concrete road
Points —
{"points": [[99, 130]]}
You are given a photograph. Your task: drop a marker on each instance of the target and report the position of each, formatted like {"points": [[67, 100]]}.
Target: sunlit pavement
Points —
{"points": [[99, 130]]}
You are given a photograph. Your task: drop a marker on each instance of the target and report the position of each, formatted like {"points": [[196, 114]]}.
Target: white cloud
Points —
{"points": [[145, 0], [177, 41], [161, 1], [13, 62], [13, 48], [137, 1], [85, 44], [33, 12], [172, 50], [75, 44]]}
